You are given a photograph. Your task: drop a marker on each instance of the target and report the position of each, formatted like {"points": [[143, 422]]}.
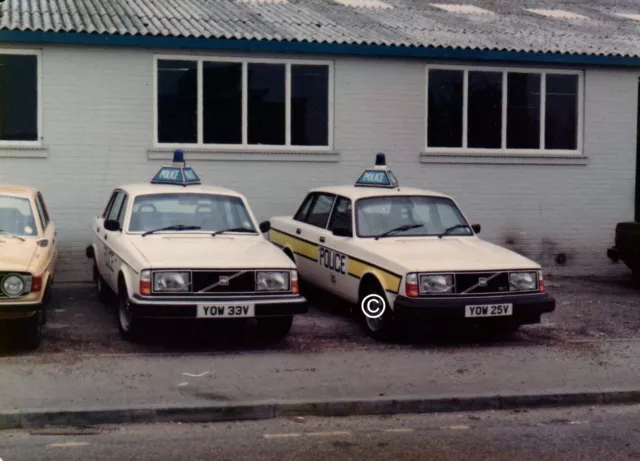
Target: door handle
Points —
{"points": [[298, 231], [322, 239], [105, 236]]}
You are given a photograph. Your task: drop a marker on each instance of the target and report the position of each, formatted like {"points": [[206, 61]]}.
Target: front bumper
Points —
{"points": [[527, 308], [613, 253], [26, 304], [176, 307]]}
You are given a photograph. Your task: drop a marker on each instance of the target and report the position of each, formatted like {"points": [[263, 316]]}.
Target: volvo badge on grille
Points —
{"points": [[224, 280], [482, 281]]}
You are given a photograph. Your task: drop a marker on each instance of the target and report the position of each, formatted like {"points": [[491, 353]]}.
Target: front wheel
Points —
{"points": [[31, 331], [274, 328], [128, 325], [377, 325]]}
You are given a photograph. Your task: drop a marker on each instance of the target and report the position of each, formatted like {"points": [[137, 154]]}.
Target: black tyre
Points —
{"points": [[30, 333], [274, 328], [380, 328], [103, 292], [129, 326]]}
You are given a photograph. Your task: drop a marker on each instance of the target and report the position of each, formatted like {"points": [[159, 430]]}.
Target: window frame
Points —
{"points": [[244, 146], [504, 150], [38, 54]]}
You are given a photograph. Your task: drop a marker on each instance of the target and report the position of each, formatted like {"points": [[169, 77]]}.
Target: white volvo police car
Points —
{"points": [[178, 249], [404, 254]]}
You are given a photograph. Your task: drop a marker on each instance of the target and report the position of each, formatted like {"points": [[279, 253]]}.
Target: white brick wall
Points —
{"points": [[98, 120]]}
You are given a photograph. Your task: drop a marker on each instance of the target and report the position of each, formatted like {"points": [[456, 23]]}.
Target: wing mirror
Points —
{"points": [[476, 228], [265, 226], [112, 225], [342, 232]]}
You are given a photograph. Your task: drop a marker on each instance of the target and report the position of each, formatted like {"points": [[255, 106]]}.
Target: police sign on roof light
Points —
{"points": [[379, 176], [178, 174]]}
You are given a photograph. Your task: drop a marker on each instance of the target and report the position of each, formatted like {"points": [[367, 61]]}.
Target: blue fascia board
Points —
{"points": [[145, 41]]}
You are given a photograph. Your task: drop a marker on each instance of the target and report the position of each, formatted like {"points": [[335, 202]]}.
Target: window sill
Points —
{"points": [[504, 159], [8, 151], [163, 153]]}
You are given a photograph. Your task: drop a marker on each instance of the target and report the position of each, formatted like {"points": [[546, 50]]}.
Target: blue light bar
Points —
{"points": [[379, 176], [178, 174]]}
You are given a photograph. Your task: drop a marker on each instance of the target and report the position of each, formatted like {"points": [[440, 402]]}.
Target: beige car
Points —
{"points": [[175, 249], [28, 256], [407, 254]]}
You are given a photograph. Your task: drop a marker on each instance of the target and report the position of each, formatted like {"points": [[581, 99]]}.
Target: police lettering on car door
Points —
{"points": [[332, 260]]}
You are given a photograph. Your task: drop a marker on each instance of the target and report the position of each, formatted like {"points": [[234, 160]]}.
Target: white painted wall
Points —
{"points": [[98, 120]]}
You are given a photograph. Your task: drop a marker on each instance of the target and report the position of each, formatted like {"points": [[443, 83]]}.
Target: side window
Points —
{"points": [[111, 199], [123, 211], [302, 212], [319, 214], [116, 203], [44, 217], [341, 216]]}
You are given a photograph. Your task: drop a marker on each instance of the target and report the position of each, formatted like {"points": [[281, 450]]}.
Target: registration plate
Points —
{"points": [[488, 310], [226, 310]]}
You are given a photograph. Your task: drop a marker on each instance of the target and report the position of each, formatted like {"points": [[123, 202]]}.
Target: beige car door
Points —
{"points": [[49, 232]]}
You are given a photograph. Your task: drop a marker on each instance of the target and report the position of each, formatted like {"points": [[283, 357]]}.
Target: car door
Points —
{"points": [[98, 235], [104, 251], [48, 231], [312, 227], [339, 249], [114, 241]]}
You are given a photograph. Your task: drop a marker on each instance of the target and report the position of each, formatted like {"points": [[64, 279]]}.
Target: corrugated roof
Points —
{"points": [[609, 27]]}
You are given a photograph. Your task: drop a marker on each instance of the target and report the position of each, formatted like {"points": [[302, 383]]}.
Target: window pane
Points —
{"points": [[445, 108], [266, 104], [523, 111], [304, 208], [222, 104], [115, 208], [561, 112], [310, 105], [485, 110], [16, 216], [18, 98], [319, 214], [341, 216], [177, 101]]}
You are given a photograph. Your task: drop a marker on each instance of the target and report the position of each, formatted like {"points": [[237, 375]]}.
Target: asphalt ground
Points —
{"points": [[588, 310], [581, 433]]}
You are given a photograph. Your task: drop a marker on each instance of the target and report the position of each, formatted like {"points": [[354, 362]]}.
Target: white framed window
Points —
{"points": [[20, 98], [475, 110], [243, 104]]}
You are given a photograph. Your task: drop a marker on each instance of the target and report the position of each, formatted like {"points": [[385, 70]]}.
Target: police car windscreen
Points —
{"points": [[16, 216], [210, 212], [377, 215]]}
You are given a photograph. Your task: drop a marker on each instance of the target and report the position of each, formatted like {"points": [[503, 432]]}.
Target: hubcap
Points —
{"points": [[124, 313], [374, 324]]}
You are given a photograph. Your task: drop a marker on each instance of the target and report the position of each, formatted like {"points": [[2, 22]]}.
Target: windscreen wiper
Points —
{"points": [[234, 229], [452, 228], [399, 229], [2, 231], [176, 227]]}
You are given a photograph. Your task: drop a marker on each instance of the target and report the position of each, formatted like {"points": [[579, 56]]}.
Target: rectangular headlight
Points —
{"points": [[436, 283], [172, 282], [272, 281], [523, 281]]}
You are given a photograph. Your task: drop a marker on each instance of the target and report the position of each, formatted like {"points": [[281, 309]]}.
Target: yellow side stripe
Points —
{"points": [[355, 267]]}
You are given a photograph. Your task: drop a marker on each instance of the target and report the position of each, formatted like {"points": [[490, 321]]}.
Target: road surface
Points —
{"points": [[584, 433]]}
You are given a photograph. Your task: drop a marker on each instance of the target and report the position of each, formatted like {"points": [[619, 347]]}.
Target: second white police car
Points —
{"points": [[404, 253], [178, 249]]}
